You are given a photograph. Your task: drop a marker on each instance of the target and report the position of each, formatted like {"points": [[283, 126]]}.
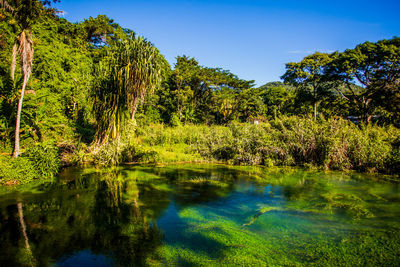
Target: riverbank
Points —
{"points": [[333, 144]]}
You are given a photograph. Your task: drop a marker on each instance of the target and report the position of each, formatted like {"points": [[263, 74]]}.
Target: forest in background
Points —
{"points": [[96, 92]]}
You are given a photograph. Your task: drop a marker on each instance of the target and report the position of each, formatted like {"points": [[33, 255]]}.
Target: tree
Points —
{"points": [[375, 67], [309, 75], [130, 69], [225, 103], [185, 78], [278, 99], [145, 71], [101, 31], [25, 13], [205, 94], [251, 104]]}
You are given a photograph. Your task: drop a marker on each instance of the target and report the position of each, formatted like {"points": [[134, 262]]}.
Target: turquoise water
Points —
{"points": [[193, 215]]}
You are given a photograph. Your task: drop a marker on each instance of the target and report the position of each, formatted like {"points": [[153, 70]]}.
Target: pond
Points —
{"points": [[190, 215]]}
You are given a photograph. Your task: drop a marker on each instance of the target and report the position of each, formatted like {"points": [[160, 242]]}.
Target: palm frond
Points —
{"points": [[4, 4]]}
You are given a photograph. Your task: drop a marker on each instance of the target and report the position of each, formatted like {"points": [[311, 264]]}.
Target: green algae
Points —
{"points": [[206, 215]]}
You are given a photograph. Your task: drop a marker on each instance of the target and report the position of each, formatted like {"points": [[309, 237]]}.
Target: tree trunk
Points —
{"points": [[179, 104], [365, 105], [26, 53], [315, 110], [14, 60], [18, 121], [134, 109], [315, 102]]}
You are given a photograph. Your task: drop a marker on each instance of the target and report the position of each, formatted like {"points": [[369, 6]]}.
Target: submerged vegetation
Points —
{"points": [[94, 92], [203, 215]]}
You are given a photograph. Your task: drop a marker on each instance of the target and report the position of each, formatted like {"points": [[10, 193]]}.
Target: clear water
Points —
{"points": [[207, 215]]}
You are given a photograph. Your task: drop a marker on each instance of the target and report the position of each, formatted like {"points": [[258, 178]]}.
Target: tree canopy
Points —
{"points": [[88, 80]]}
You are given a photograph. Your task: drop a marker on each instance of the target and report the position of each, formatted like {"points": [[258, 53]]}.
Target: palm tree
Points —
{"points": [[145, 69], [130, 69], [25, 13], [24, 47]]}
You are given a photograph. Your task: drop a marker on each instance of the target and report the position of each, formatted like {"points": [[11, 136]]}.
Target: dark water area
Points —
{"points": [[191, 215]]}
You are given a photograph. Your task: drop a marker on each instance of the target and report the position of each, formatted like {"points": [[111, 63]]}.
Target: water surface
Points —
{"points": [[201, 215]]}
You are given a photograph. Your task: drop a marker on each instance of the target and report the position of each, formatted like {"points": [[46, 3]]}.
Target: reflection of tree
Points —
{"points": [[101, 214], [27, 256], [122, 228], [23, 226], [113, 213], [198, 185], [132, 193], [13, 229]]}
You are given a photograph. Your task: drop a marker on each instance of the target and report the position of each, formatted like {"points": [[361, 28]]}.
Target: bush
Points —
{"points": [[17, 170], [109, 153], [370, 147], [393, 161], [40, 161], [44, 158]]}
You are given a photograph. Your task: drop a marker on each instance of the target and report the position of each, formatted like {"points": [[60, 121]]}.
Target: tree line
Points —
{"points": [[366, 78], [84, 82]]}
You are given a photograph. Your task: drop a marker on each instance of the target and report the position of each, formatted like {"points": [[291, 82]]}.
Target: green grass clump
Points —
{"points": [[17, 170], [40, 161], [44, 158]]}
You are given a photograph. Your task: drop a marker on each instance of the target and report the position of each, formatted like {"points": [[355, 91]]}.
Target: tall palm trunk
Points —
{"points": [[25, 50], [14, 59], [18, 121]]}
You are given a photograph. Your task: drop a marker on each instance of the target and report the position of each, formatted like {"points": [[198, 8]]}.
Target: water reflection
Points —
{"points": [[85, 214], [144, 216]]}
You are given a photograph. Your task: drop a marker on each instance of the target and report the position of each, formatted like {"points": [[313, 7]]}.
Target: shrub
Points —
{"points": [[114, 152], [109, 153], [44, 158], [17, 170], [40, 161]]}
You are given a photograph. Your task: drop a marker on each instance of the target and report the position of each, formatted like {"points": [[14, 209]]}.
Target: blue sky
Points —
{"points": [[252, 39]]}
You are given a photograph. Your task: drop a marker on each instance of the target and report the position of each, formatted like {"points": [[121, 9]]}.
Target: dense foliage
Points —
{"points": [[91, 89], [287, 141]]}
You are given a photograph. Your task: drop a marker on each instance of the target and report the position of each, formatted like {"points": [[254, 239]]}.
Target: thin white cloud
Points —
{"points": [[61, 13], [303, 52]]}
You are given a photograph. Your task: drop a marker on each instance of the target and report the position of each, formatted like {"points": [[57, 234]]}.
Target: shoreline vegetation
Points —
{"points": [[96, 93], [327, 144]]}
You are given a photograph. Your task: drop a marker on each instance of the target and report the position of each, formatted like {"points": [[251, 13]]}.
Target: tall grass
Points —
{"points": [[287, 141], [332, 144]]}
